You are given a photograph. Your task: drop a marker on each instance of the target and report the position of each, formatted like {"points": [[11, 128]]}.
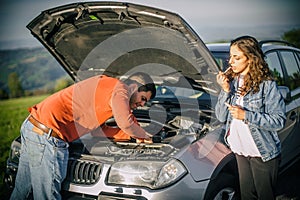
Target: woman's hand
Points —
{"points": [[236, 112], [223, 81]]}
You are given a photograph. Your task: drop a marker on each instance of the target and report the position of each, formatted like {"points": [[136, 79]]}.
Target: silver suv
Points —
{"points": [[188, 159]]}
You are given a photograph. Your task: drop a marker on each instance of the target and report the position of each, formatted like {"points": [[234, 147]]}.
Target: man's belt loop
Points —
{"points": [[49, 133]]}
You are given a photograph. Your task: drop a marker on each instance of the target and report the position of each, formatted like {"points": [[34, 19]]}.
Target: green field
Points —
{"points": [[12, 114]]}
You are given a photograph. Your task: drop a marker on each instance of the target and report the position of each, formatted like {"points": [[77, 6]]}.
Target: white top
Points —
{"points": [[240, 138]]}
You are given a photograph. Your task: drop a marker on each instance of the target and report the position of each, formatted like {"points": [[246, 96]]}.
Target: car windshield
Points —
{"points": [[181, 93]]}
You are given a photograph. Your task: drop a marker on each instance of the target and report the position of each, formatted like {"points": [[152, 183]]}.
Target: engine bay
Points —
{"points": [[177, 132]]}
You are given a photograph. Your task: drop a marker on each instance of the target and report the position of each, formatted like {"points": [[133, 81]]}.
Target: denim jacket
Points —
{"points": [[265, 115]]}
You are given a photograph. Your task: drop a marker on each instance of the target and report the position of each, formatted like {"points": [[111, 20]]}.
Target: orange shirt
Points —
{"points": [[86, 105]]}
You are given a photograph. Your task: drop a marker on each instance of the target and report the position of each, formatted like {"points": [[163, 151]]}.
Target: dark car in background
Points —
{"points": [[188, 159], [284, 62]]}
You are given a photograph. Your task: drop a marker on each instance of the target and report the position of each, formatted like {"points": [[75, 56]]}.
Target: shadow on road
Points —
{"points": [[288, 185]]}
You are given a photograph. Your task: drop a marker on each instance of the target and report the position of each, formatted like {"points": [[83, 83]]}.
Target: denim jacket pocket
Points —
{"points": [[255, 104]]}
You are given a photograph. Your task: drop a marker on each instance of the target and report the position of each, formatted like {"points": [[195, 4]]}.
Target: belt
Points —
{"points": [[41, 129]]}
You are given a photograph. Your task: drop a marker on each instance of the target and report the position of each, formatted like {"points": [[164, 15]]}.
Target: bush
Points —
{"points": [[293, 37]]}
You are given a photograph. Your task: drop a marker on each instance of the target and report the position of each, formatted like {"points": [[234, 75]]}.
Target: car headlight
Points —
{"points": [[151, 174]]}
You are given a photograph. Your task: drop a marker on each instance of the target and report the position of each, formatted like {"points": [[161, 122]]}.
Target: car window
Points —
{"points": [[298, 58], [292, 68], [222, 59], [274, 64]]}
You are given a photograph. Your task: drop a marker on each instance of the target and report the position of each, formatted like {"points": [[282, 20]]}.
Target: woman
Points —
{"points": [[254, 111]]}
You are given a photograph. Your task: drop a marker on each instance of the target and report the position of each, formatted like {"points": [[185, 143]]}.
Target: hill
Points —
{"points": [[37, 69]]}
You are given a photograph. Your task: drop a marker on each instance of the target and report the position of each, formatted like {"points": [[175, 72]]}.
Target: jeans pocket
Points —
{"points": [[36, 152]]}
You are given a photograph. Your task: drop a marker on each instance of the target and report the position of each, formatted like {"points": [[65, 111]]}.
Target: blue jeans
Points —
{"points": [[42, 165]]}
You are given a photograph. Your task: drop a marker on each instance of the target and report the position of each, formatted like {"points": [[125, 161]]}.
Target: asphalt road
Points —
{"points": [[288, 186]]}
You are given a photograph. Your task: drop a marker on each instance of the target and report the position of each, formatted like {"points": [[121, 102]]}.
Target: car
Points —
{"points": [[188, 158], [283, 60]]}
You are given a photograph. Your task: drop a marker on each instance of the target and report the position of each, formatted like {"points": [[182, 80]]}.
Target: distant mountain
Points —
{"points": [[37, 69], [19, 43]]}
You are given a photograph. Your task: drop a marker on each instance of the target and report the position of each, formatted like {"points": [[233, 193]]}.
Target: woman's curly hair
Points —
{"points": [[259, 70]]}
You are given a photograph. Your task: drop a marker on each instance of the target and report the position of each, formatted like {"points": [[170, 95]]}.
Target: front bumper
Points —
{"points": [[185, 188]]}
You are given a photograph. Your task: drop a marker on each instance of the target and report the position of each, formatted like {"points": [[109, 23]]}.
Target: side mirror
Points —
{"points": [[285, 93]]}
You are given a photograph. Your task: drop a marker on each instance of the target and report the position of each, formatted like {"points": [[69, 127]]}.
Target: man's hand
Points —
{"points": [[147, 141]]}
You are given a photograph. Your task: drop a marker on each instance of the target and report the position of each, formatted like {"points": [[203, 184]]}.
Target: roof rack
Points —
{"points": [[261, 43]]}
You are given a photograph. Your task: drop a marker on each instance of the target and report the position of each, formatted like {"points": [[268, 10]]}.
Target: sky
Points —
{"points": [[213, 20]]}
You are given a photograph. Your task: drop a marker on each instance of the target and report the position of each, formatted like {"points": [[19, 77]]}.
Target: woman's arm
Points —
{"points": [[221, 109], [273, 117]]}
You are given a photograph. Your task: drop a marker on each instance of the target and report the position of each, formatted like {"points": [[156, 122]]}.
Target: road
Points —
{"points": [[288, 186]]}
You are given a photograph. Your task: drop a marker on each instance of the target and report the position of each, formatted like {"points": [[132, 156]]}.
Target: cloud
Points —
{"points": [[208, 18]]}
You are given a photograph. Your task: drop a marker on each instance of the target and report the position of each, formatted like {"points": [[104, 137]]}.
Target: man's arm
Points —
{"points": [[123, 115]]}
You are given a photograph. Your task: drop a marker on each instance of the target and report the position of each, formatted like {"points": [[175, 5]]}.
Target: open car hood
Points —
{"points": [[116, 39]]}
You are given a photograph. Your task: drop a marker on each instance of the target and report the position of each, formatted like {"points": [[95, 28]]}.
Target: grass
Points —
{"points": [[12, 114]]}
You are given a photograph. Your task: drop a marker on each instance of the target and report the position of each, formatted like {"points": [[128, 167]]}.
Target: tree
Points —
{"points": [[293, 37], [14, 86], [3, 94], [62, 83]]}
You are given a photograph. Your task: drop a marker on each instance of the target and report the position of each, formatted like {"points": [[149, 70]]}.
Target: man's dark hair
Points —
{"points": [[144, 82]]}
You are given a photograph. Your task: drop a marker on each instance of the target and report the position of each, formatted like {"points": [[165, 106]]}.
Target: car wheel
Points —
{"points": [[225, 193], [224, 187]]}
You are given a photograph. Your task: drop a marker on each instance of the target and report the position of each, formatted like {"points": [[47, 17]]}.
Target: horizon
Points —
{"points": [[209, 35]]}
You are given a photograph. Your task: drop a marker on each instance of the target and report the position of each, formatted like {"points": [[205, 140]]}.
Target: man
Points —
{"points": [[67, 115]]}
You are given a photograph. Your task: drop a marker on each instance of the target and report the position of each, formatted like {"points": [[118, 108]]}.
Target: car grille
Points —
{"points": [[83, 172]]}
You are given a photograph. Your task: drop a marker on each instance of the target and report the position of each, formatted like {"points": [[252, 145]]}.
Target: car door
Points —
{"points": [[284, 64]]}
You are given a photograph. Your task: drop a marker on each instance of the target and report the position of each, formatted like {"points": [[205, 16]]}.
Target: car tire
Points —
{"points": [[224, 187]]}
